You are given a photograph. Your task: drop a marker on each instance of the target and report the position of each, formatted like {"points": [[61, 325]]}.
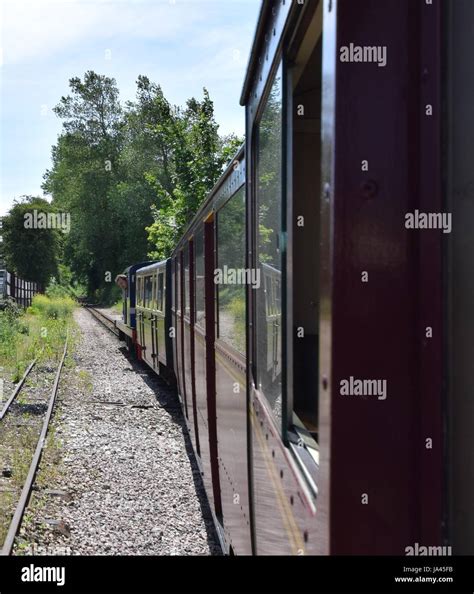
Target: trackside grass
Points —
{"points": [[38, 332]]}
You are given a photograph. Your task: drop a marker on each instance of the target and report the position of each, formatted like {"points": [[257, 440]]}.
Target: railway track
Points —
{"points": [[46, 405], [103, 319], [17, 390]]}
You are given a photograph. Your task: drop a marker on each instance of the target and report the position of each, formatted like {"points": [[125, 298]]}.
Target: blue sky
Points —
{"points": [[184, 45]]}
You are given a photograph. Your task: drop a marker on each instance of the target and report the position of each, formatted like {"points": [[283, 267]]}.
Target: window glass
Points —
{"points": [[173, 282], [231, 276], [139, 295], [187, 309], [148, 291], [178, 283], [160, 291], [268, 204], [199, 284], [163, 292]]}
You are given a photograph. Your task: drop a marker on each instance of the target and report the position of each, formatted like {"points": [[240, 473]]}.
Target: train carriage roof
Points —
{"points": [[152, 267], [134, 267], [265, 10]]}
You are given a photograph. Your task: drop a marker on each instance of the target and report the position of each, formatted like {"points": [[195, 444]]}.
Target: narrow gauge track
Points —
{"points": [[28, 484], [103, 319], [17, 390]]}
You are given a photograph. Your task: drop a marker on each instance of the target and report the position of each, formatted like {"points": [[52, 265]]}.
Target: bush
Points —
{"points": [[65, 285], [8, 331], [54, 308], [57, 291], [107, 295]]}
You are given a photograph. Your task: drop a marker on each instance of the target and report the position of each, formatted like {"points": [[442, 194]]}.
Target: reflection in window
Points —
{"points": [[148, 291], [199, 284], [139, 294], [268, 202], [160, 291], [173, 283], [187, 309], [231, 254], [178, 283]]}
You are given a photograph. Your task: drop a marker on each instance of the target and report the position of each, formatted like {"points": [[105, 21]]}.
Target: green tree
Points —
{"points": [[132, 177], [32, 253], [197, 160], [85, 174]]}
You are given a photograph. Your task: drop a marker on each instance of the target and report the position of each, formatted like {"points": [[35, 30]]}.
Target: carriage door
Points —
{"points": [[180, 329], [139, 317], [381, 163], [188, 342]]}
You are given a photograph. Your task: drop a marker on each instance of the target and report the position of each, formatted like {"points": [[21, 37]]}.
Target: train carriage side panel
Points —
{"points": [[201, 379], [188, 343], [285, 469], [168, 309], [378, 442], [230, 359], [151, 303]]}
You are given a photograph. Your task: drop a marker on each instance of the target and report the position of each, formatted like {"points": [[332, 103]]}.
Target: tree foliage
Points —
{"points": [[131, 177], [22, 244]]}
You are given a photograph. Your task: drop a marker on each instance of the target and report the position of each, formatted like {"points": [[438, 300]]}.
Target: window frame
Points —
{"points": [[160, 295], [221, 206], [148, 297], [199, 233], [139, 291], [187, 283], [280, 66]]}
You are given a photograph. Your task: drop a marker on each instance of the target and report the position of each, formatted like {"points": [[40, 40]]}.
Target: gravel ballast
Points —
{"points": [[125, 481]]}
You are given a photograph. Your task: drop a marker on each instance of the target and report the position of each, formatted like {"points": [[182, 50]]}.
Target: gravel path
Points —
{"points": [[125, 483]]}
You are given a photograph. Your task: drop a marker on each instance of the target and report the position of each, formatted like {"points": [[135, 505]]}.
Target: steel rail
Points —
{"points": [[17, 389], [100, 317], [25, 493]]}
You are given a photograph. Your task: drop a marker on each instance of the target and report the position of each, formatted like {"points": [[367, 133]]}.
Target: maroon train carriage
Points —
{"points": [[308, 323]]}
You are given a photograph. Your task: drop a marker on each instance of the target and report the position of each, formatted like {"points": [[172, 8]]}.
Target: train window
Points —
{"points": [[178, 284], [187, 304], [269, 212], [173, 283], [163, 298], [305, 79], [139, 289], [148, 291], [160, 291], [199, 283], [231, 266]]}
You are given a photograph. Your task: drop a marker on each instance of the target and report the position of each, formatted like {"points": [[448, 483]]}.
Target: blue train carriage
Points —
{"points": [[153, 317], [127, 325]]}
